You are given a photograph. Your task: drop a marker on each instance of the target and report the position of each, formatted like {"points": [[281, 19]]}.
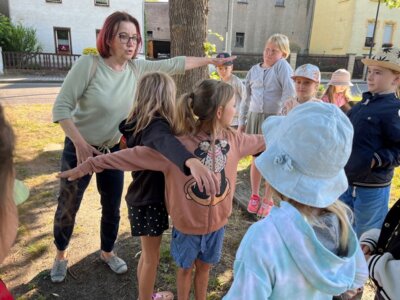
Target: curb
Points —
{"points": [[30, 80]]}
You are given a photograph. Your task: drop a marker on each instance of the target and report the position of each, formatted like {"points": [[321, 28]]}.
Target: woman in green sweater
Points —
{"points": [[94, 98]]}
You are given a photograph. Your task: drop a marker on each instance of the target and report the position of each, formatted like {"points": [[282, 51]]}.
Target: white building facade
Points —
{"points": [[68, 26]]}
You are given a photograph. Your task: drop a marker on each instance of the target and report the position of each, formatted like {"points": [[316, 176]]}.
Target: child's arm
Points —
{"points": [[131, 159], [158, 136], [250, 144], [390, 156], [369, 240], [244, 106], [361, 275], [253, 279], [384, 270], [247, 285], [284, 73], [241, 89]]}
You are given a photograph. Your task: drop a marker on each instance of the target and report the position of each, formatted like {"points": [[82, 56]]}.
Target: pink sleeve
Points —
{"points": [[325, 98], [250, 144], [340, 100], [131, 159]]}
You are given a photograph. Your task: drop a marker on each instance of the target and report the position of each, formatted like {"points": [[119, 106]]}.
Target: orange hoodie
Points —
{"points": [[191, 211]]}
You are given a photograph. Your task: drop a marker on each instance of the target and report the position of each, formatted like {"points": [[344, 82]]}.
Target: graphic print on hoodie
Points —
{"points": [[214, 158]]}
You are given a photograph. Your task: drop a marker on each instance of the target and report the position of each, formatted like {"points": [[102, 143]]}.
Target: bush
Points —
{"points": [[5, 31], [17, 37], [90, 51]]}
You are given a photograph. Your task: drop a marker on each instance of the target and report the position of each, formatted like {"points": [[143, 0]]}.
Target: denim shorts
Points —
{"points": [[186, 248]]}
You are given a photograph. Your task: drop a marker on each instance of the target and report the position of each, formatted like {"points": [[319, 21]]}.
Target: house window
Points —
{"points": [[239, 40], [150, 34], [280, 3], [102, 2], [54, 1], [387, 36], [62, 37], [370, 33]]}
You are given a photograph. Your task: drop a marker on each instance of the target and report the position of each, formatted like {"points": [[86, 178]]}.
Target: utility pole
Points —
{"points": [[229, 25], [373, 36], [373, 33]]}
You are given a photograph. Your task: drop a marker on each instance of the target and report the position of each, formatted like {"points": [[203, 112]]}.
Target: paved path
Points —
{"points": [[23, 93]]}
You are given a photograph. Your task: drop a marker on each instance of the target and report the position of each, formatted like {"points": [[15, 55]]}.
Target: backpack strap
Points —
{"points": [[93, 68]]}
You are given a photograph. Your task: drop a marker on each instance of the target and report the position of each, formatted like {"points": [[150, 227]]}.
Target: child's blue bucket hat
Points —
{"points": [[306, 153]]}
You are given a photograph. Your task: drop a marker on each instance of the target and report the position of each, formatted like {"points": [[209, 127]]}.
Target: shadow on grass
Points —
{"points": [[89, 278], [44, 187]]}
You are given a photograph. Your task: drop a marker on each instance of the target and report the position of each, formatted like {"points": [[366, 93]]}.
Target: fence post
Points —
{"points": [[351, 62], [1, 62], [293, 59]]}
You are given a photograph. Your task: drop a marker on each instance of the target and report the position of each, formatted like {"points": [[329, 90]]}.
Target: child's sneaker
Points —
{"points": [[254, 202], [265, 208]]}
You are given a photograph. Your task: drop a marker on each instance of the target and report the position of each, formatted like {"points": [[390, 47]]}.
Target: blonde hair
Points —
{"points": [[282, 42], [154, 97], [198, 110], [398, 85], [338, 208], [331, 91]]}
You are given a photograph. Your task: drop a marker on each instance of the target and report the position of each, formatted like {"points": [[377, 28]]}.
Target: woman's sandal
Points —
{"points": [[165, 295]]}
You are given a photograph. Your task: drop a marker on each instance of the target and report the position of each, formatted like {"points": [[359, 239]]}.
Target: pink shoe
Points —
{"points": [[254, 202], [165, 295], [265, 208]]}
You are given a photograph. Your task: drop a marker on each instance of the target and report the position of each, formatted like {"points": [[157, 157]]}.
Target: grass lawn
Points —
{"points": [[38, 150]]}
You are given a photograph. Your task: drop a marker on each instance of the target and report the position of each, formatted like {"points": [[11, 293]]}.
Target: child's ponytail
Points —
{"points": [[186, 121], [198, 110]]}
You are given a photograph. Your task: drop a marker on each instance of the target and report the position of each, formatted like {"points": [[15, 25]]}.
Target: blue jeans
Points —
{"points": [[370, 206], [109, 185], [186, 248]]}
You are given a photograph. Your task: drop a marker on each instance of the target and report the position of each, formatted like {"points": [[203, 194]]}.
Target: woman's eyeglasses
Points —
{"points": [[125, 38]]}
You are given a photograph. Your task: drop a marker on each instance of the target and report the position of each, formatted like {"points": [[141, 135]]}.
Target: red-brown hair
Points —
{"points": [[110, 26]]}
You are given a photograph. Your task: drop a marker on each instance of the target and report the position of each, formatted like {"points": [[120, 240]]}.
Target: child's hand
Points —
{"points": [[365, 249], [72, 174], [84, 151], [242, 128], [220, 61], [205, 179]]}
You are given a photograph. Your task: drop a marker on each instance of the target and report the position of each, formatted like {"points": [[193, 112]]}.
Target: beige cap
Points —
{"points": [[388, 58]]}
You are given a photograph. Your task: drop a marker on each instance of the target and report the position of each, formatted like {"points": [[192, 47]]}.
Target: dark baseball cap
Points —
{"points": [[225, 55]]}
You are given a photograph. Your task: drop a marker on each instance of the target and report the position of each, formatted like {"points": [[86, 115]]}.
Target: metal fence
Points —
{"points": [[358, 70], [326, 63], [38, 61]]}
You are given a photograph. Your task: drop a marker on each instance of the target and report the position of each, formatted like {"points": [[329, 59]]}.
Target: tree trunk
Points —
{"points": [[188, 25]]}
